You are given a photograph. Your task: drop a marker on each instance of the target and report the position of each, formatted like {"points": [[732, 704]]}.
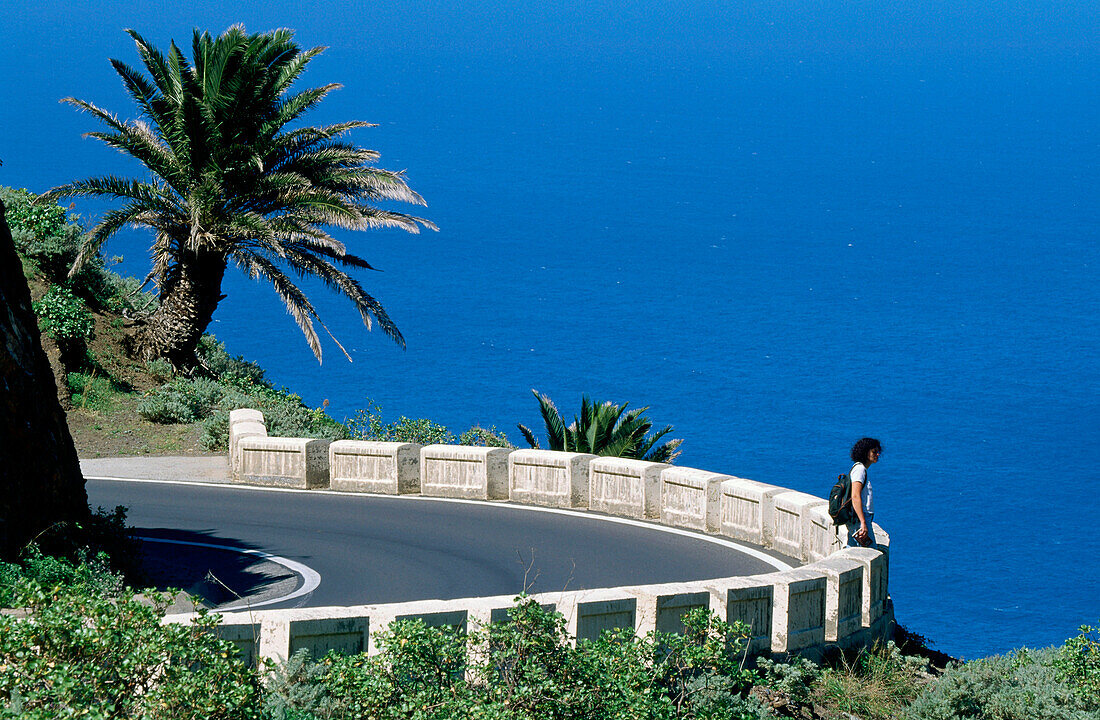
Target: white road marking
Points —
{"points": [[310, 577], [725, 542]]}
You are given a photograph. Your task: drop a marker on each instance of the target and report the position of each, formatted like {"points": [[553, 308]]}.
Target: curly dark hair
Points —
{"points": [[863, 447]]}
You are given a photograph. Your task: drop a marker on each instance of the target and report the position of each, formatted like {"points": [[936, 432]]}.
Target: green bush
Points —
{"points": [[29, 219], [284, 414], [485, 437], [528, 669], [1078, 664], [1020, 686], [795, 680], [368, 425], [219, 363], [160, 369], [49, 239], [183, 400], [79, 653], [88, 573], [62, 315]]}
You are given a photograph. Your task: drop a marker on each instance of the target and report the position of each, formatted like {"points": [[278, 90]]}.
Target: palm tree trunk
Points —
{"points": [[187, 304]]}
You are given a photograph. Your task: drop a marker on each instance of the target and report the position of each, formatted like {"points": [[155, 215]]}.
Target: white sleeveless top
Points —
{"points": [[859, 475]]}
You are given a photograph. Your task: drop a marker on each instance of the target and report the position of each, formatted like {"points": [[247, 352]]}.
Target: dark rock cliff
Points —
{"points": [[40, 481]]}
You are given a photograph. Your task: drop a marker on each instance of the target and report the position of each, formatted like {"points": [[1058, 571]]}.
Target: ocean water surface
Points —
{"points": [[778, 248]]}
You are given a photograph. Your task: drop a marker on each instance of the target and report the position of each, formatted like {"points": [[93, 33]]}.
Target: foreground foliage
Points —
{"points": [[528, 669], [85, 648], [82, 653], [236, 180], [1024, 685]]}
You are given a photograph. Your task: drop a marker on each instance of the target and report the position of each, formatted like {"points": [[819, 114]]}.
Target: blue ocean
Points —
{"points": [[780, 229]]}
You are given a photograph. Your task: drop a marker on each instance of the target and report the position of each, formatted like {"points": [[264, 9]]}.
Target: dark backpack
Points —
{"points": [[840, 501]]}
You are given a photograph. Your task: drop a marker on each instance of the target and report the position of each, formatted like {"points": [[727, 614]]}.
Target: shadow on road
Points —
{"points": [[218, 575]]}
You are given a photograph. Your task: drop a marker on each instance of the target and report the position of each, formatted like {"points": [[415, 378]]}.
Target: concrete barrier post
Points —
{"points": [[690, 498], [620, 486], [243, 423], [284, 462], [345, 635], [874, 594], [747, 510], [843, 600], [460, 471], [824, 537], [798, 614], [791, 523], [275, 638], [388, 468], [661, 608], [547, 477], [750, 601]]}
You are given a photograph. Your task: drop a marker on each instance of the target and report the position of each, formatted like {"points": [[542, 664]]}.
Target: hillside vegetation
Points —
{"points": [[118, 405]]}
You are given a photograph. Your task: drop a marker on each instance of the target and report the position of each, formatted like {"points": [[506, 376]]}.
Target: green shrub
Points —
{"points": [[183, 400], [84, 654], [123, 295], [1078, 664], [368, 425], [29, 219], [485, 437], [218, 362], [87, 573], [528, 669], [62, 315], [49, 240], [160, 369], [795, 679], [284, 414], [1020, 686]]}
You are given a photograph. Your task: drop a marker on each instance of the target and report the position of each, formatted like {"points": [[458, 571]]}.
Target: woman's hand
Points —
{"points": [[863, 536]]}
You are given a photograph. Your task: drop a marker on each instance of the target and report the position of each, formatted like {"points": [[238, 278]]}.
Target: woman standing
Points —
{"points": [[861, 531]]}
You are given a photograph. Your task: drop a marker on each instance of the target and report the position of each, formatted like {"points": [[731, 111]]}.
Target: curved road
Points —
{"points": [[371, 549]]}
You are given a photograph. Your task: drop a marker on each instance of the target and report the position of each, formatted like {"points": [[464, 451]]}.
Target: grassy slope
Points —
{"points": [[105, 422]]}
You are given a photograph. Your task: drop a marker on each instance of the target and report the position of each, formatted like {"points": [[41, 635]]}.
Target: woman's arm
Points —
{"points": [[857, 506]]}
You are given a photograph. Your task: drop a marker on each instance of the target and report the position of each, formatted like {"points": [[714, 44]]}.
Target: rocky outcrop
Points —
{"points": [[40, 482]]}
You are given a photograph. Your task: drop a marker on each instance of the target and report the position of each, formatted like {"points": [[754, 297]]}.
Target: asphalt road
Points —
{"points": [[373, 549]]}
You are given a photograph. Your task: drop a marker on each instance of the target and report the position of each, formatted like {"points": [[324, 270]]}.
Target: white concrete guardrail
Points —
{"points": [[839, 598]]}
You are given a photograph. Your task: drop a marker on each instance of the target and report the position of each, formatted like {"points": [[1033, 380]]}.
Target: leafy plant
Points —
{"points": [[87, 573], [31, 219], [367, 424], [485, 437], [1078, 664], [214, 358], [1020, 686], [603, 429], [48, 240], [80, 653], [183, 400], [62, 315]]}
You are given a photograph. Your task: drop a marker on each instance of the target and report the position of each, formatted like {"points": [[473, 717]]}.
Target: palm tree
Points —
{"points": [[231, 181], [603, 429]]}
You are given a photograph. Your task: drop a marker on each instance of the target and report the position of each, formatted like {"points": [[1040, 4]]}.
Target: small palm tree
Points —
{"points": [[232, 182], [603, 429]]}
